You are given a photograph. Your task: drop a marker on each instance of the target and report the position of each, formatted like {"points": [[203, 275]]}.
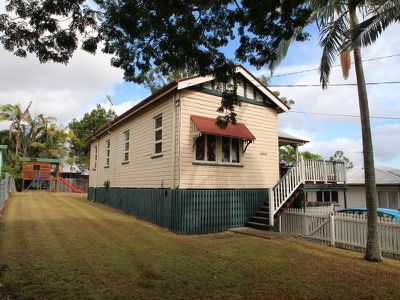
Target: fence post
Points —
{"points": [[280, 224], [271, 207], [332, 222]]}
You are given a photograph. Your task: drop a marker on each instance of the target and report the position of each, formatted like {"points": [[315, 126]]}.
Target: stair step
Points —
{"points": [[261, 220], [264, 208], [260, 213], [258, 226]]}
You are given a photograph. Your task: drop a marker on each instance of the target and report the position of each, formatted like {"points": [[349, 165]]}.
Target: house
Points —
{"points": [[166, 161], [387, 185]]}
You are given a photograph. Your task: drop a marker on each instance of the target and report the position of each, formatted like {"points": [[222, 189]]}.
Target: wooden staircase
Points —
{"points": [[260, 220], [282, 195]]}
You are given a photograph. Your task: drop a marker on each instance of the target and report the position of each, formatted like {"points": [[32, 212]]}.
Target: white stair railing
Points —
{"points": [[285, 187], [305, 170]]}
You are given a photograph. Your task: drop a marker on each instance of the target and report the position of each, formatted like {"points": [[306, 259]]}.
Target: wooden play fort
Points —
{"points": [[37, 173]]}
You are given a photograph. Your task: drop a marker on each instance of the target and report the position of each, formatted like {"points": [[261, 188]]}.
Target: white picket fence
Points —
{"points": [[341, 230]]}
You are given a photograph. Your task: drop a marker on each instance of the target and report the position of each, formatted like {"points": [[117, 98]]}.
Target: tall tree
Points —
{"points": [[287, 155], [339, 156], [82, 129], [16, 116], [336, 19]]}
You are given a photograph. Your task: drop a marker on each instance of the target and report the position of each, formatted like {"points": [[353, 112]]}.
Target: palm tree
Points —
{"points": [[341, 33], [15, 115], [336, 20]]}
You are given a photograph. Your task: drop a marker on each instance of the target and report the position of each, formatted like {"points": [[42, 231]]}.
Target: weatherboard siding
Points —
{"points": [[143, 170], [260, 162]]}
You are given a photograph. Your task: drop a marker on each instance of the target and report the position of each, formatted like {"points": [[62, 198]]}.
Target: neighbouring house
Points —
{"points": [[3, 149], [166, 161], [387, 185]]}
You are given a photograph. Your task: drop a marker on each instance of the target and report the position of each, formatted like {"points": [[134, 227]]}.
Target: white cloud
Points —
{"points": [[62, 91], [330, 133]]}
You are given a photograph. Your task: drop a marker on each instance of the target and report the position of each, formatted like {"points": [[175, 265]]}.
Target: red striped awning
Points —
{"points": [[207, 126]]}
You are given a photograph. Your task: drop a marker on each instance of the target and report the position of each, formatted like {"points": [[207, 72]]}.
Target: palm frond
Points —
{"points": [[324, 11], [332, 39], [383, 14], [280, 53]]}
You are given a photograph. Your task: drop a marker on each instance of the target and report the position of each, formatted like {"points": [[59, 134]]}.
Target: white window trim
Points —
{"points": [[95, 157], [155, 130], [230, 151], [206, 148], [218, 153], [108, 152], [126, 141]]}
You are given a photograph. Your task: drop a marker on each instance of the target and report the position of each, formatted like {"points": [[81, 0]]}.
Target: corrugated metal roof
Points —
{"points": [[383, 176], [208, 126], [287, 139]]}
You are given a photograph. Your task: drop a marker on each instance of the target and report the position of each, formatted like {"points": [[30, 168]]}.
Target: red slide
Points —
{"points": [[69, 185]]}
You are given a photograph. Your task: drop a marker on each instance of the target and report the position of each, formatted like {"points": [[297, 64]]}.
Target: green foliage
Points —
{"points": [[155, 79], [287, 155], [107, 184], [339, 156], [166, 35], [82, 129], [12, 165]]}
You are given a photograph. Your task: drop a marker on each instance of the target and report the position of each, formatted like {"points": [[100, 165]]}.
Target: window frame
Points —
{"points": [[218, 151], [387, 199], [156, 129], [108, 153], [125, 151], [205, 149], [230, 151], [95, 157], [322, 198]]}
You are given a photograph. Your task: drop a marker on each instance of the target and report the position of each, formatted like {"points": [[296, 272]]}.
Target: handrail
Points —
{"points": [[285, 187], [304, 170]]}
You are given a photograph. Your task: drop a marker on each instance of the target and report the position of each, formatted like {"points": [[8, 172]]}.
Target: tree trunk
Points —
{"points": [[373, 251]]}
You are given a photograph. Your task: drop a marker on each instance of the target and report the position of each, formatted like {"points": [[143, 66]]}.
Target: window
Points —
{"points": [[158, 135], [108, 146], [328, 196], [382, 199], [393, 200], [36, 167], [230, 150], [126, 146], [205, 148], [388, 199], [95, 157]]}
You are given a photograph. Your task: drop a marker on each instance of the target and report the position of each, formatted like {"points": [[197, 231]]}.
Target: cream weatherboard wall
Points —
{"points": [[144, 169], [260, 163]]}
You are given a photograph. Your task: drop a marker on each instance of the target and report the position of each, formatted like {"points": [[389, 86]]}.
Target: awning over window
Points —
{"points": [[208, 126]]}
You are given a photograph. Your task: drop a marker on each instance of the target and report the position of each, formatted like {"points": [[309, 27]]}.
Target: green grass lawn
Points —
{"points": [[62, 246]]}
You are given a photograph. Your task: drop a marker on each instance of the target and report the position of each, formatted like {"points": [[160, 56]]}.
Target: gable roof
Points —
{"points": [[187, 82], [383, 176]]}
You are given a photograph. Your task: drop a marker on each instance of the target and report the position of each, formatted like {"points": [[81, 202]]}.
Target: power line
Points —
{"points": [[334, 66], [342, 115], [332, 85]]}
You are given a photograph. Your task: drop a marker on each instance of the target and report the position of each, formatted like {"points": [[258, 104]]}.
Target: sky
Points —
{"points": [[68, 91]]}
